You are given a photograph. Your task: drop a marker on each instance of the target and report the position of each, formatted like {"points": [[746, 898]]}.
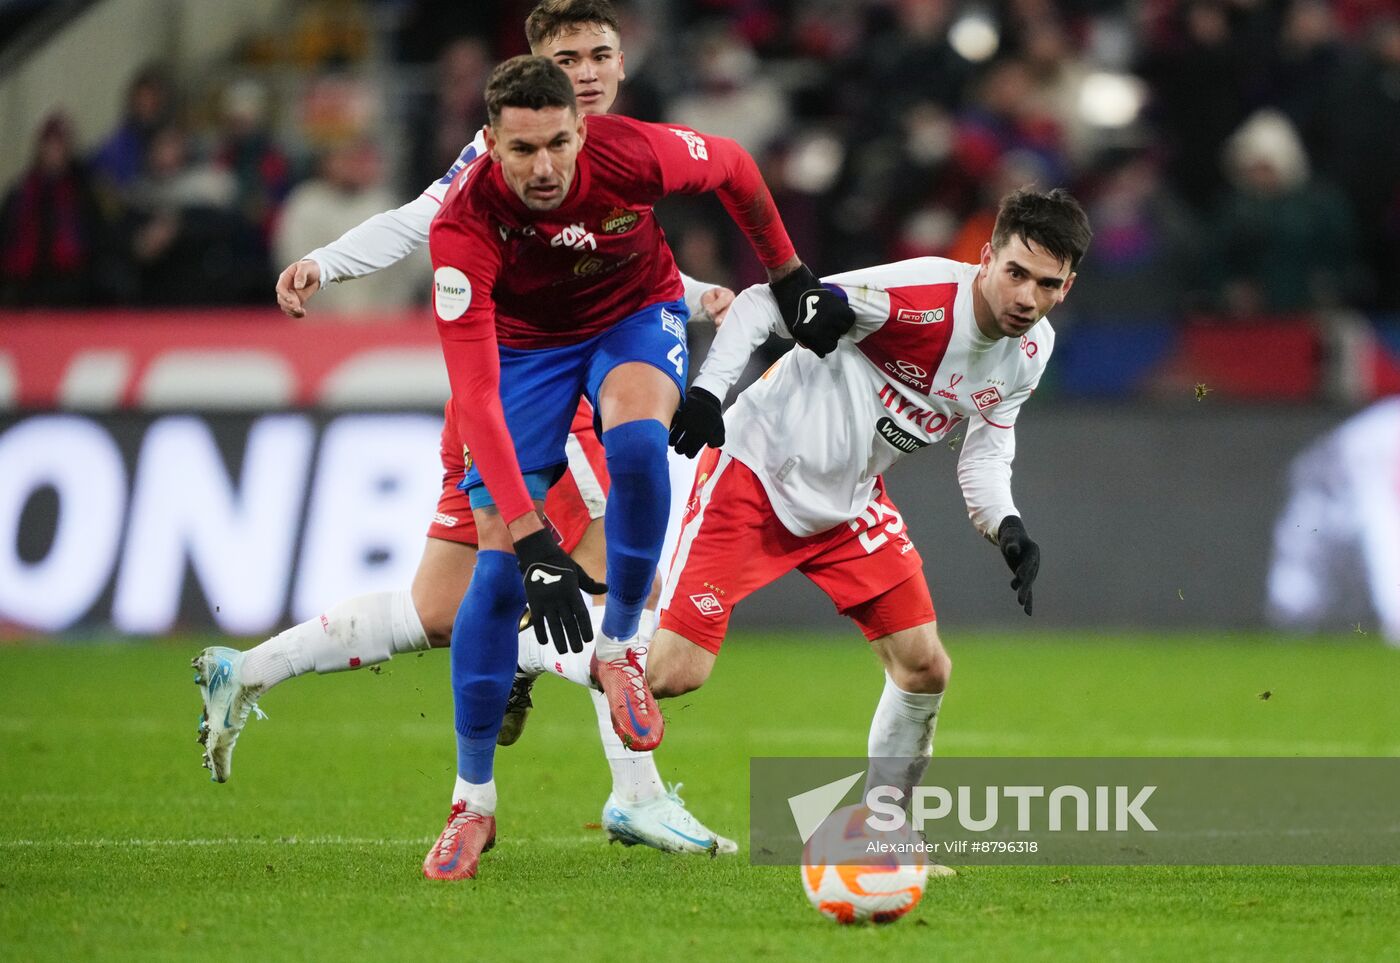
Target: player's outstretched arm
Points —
{"points": [[751, 319], [690, 163], [372, 245]]}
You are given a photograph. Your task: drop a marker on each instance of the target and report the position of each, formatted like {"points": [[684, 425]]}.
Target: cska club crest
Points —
{"points": [[619, 220]]}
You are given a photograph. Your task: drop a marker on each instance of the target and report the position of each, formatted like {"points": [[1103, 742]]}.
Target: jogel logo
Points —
{"points": [[898, 437], [619, 221], [915, 316]]}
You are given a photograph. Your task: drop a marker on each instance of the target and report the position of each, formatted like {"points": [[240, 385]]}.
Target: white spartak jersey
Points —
{"points": [[817, 431], [390, 236]]}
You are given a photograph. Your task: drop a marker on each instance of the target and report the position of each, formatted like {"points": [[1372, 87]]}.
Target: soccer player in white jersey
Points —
{"points": [[581, 36], [935, 345]]}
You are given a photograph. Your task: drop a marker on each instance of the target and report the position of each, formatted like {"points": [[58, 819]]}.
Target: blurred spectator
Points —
{"points": [[150, 104], [913, 61], [1304, 73], [331, 33], [731, 98], [1004, 116], [1363, 127], [426, 26], [246, 149], [1057, 73], [1015, 170], [338, 107], [184, 240], [52, 234], [1146, 244], [1200, 80], [639, 95], [1286, 240], [349, 189], [446, 120]]}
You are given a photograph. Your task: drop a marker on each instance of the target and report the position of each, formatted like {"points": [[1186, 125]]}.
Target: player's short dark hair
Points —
{"points": [[1052, 220], [550, 18], [534, 83]]}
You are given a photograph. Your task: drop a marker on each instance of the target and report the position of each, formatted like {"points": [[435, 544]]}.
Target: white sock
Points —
{"points": [[902, 730], [365, 630], [651, 620], [480, 797], [609, 648], [534, 658], [635, 776]]}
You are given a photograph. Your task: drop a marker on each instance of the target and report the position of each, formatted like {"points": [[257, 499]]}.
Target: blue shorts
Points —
{"points": [[540, 389]]}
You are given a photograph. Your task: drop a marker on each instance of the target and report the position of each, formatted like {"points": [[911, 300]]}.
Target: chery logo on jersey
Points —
{"points": [[709, 606], [985, 398], [915, 316], [910, 369], [912, 351]]}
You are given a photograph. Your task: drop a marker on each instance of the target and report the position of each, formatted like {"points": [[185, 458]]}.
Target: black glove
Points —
{"points": [[697, 423], [788, 291], [552, 583], [816, 315], [1022, 554]]}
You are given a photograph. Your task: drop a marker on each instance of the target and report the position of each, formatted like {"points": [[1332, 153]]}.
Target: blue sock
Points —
{"points": [[484, 648], [635, 523]]}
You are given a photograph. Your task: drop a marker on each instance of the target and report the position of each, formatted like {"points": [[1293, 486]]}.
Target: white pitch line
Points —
{"points": [[801, 736], [260, 841]]}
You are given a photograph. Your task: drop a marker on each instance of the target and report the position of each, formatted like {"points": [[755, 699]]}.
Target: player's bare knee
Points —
{"points": [[916, 660], [676, 665], [437, 615]]}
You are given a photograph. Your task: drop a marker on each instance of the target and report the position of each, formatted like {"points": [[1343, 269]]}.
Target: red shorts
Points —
{"points": [[575, 499], [732, 544]]}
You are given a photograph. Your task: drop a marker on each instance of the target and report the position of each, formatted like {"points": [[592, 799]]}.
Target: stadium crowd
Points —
{"points": [[1238, 157]]}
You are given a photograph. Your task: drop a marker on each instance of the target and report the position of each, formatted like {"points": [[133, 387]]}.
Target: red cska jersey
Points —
{"points": [[540, 279], [550, 278]]}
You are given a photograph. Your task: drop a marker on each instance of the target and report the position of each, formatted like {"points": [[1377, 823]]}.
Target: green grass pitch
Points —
{"points": [[114, 844]]}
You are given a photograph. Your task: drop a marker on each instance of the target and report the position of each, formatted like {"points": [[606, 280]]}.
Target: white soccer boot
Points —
{"points": [[662, 823], [227, 703]]}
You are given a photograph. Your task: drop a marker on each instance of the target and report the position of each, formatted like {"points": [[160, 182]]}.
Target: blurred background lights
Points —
{"points": [[974, 36], [1111, 100]]}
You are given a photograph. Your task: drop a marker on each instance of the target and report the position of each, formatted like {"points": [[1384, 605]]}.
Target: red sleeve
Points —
{"points": [[465, 264], [693, 163]]}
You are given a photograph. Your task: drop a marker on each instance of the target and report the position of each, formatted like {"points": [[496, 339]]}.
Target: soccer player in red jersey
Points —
{"points": [[552, 281], [582, 37]]}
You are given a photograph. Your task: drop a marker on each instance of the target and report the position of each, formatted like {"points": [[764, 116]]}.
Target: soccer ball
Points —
{"points": [[849, 883]]}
